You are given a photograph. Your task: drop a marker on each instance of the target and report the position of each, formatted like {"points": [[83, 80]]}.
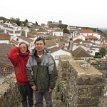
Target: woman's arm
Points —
{"points": [[14, 55]]}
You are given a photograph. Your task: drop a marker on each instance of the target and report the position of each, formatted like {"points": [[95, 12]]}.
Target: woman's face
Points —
{"points": [[23, 48]]}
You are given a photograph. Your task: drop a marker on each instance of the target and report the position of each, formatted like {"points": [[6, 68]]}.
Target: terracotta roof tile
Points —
{"points": [[86, 31], [91, 37], [4, 37], [77, 41]]}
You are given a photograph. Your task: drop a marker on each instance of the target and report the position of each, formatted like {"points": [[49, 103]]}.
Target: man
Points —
{"points": [[19, 57], [41, 73]]}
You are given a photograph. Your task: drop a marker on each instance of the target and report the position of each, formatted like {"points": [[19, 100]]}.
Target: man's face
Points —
{"points": [[39, 45], [23, 48]]}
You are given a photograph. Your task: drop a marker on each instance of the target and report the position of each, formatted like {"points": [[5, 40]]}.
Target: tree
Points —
{"points": [[97, 55], [25, 22], [66, 31], [63, 26], [49, 37], [18, 22], [102, 52], [4, 19], [12, 20], [36, 23]]}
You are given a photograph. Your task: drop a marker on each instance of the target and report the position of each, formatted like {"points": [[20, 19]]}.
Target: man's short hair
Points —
{"points": [[40, 39]]}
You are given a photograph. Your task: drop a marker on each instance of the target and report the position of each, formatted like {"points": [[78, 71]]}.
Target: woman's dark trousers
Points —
{"points": [[26, 95]]}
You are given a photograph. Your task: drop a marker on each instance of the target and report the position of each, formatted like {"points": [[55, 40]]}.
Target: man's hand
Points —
{"points": [[50, 90], [34, 87]]}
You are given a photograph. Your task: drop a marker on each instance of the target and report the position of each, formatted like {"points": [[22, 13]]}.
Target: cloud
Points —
{"points": [[76, 12]]}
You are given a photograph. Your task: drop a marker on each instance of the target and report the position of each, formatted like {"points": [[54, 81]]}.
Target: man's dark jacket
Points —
{"points": [[42, 71]]}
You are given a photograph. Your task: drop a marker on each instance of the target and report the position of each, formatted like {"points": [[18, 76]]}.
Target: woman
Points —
{"points": [[19, 57]]}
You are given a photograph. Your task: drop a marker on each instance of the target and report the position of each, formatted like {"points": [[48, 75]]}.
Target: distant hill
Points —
{"points": [[4, 19], [104, 30]]}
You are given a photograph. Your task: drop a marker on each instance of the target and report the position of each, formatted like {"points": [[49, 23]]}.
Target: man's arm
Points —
{"points": [[30, 74], [53, 74]]}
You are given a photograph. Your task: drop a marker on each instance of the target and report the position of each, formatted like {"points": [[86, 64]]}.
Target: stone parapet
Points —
{"points": [[81, 84], [9, 95]]}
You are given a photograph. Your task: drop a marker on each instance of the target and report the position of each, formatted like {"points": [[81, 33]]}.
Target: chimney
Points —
{"points": [[70, 46], [26, 32]]}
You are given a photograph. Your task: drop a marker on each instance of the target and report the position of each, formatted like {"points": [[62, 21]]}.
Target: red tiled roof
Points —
{"points": [[102, 45], [86, 31], [77, 41], [4, 37], [91, 37]]}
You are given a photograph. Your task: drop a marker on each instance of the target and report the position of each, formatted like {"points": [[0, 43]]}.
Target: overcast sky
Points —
{"points": [[90, 13]]}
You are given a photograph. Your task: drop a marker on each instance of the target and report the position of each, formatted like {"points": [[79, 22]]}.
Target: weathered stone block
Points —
{"points": [[88, 101], [84, 84], [89, 80], [90, 90], [85, 106], [10, 96]]}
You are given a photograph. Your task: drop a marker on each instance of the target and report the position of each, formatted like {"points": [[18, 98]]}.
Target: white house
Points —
{"points": [[4, 38], [89, 32], [11, 29], [42, 31], [59, 53], [93, 51], [57, 33], [82, 37], [26, 30], [18, 39], [4, 41]]}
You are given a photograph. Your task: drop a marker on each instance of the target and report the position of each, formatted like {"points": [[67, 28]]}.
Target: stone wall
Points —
{"points": [[101, 65], [5, 69], [9, 95], [81, 85]]}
